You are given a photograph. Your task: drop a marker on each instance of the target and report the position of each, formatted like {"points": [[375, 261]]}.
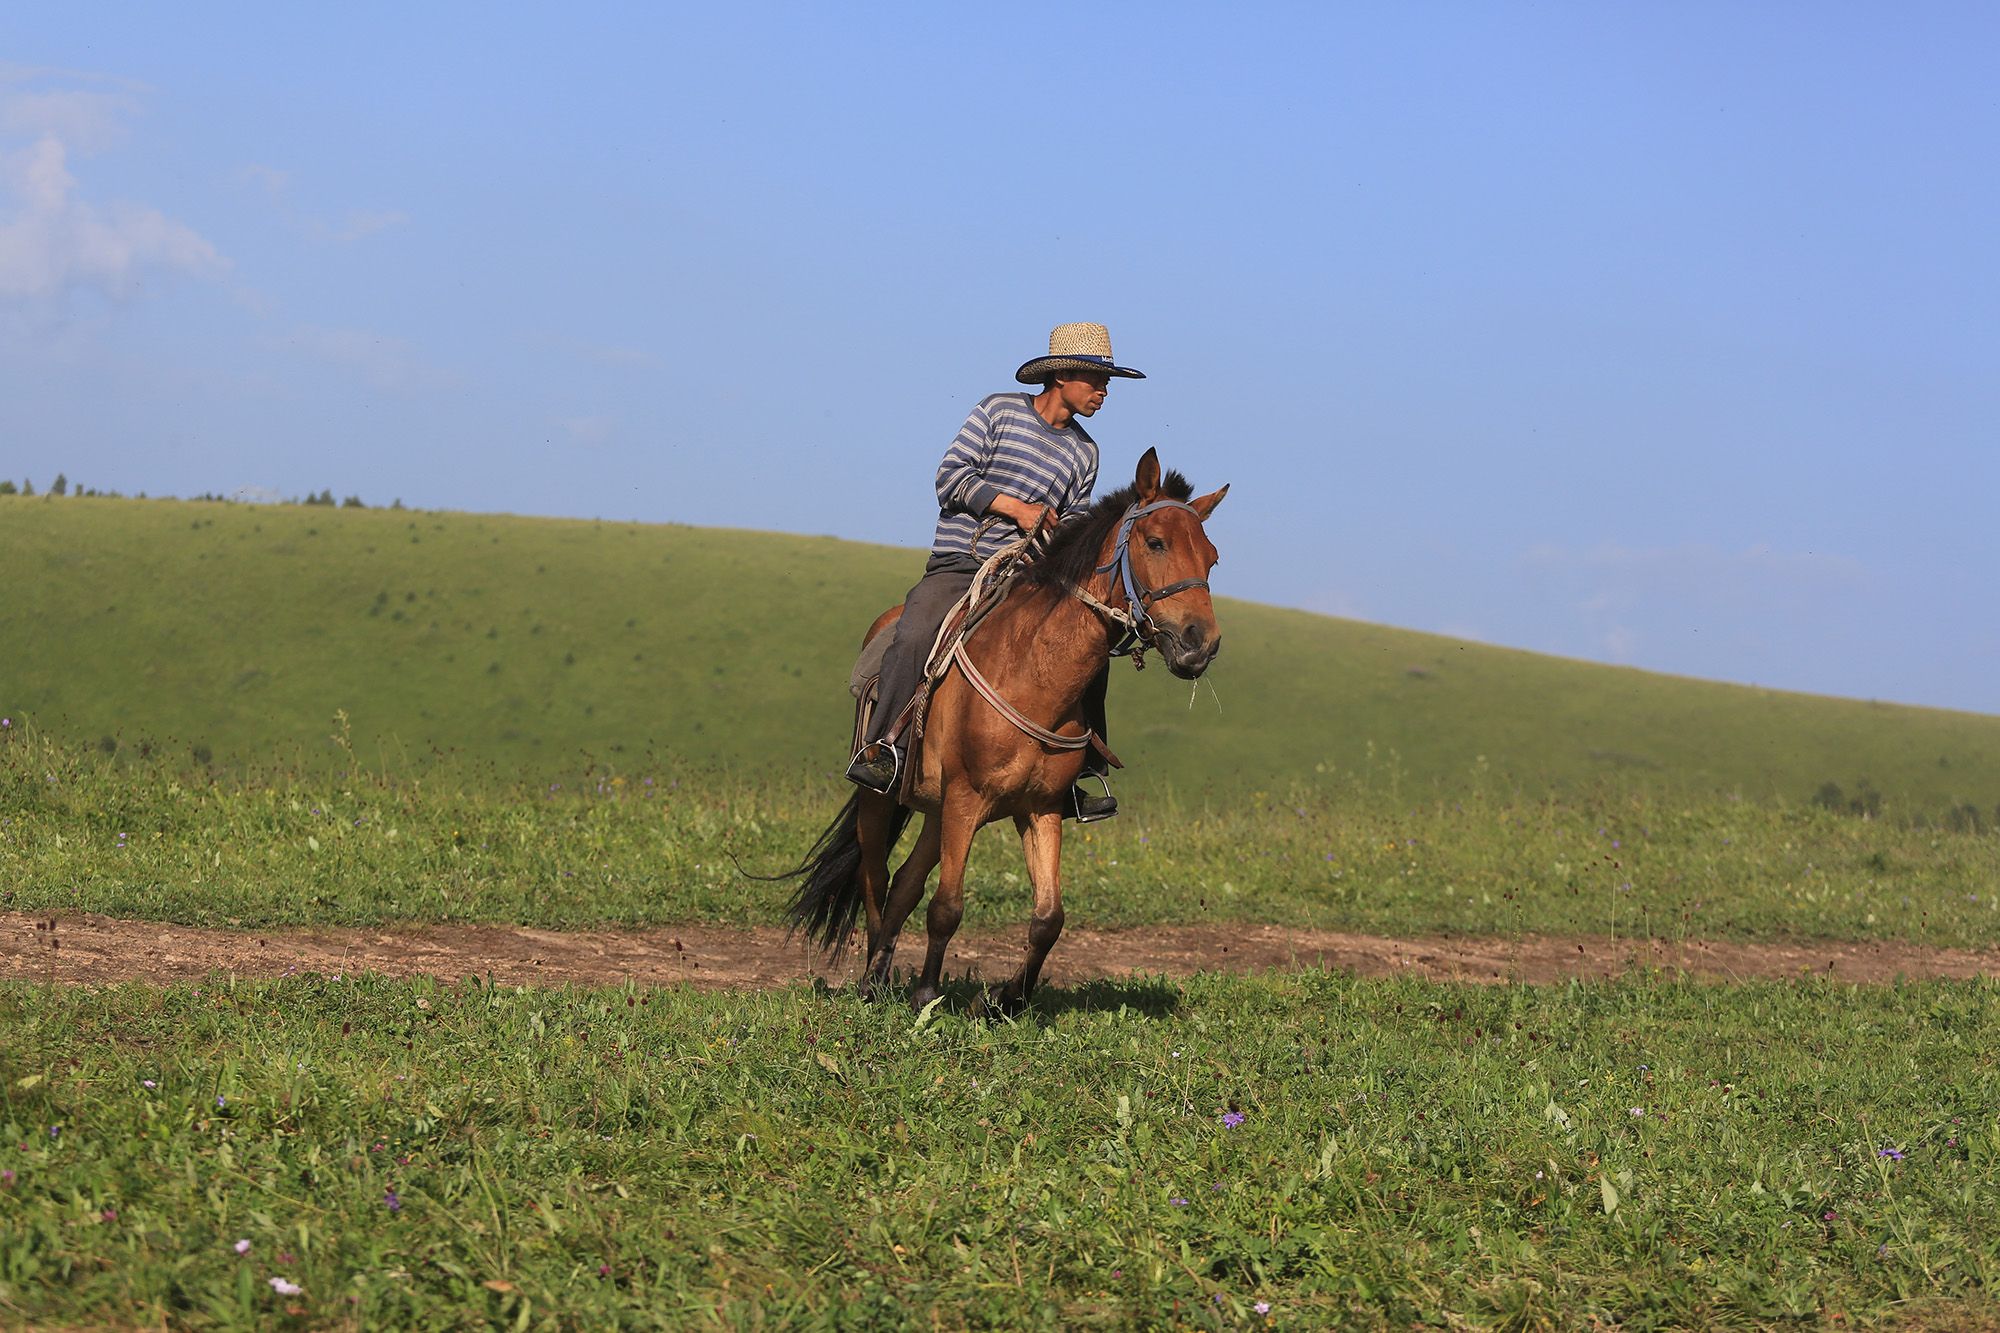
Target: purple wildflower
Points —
{"points": [[242, 1246], [1231, 1119], [1893, 1154], [1178, 1202], [391, 1200]]}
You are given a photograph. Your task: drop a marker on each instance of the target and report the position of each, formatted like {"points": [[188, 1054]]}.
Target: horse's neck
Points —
{"points": [[1058, 639]]}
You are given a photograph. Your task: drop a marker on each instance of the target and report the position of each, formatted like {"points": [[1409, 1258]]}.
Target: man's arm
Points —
{"points": [[1022, 513], [962, 487]]}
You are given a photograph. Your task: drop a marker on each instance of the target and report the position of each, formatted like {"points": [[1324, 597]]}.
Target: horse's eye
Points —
{"points": [[1155, 544]]}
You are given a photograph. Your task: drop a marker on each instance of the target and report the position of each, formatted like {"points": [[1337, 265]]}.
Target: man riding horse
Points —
{"points": [[1020, 459]]}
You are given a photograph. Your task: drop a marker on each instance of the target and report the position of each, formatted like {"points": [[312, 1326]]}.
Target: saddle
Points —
{"points": [[865, 681]]}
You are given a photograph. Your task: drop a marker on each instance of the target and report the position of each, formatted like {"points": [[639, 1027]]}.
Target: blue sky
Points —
{"points": [[1662, 335]]}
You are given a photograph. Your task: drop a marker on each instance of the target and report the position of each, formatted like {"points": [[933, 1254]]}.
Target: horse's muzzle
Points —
{"points": [[1189, 653]]}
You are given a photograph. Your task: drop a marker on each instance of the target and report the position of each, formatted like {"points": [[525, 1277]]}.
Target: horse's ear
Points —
{"points": [[1205, 505], [1146, 482]]}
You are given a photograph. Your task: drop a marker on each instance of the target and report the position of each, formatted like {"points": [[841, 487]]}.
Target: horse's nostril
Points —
{"points": [[1193, 636]]}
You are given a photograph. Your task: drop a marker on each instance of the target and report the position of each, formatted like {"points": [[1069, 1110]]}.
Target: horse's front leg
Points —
{"points": [[956, 823], [905, 891], [1041, 844]]}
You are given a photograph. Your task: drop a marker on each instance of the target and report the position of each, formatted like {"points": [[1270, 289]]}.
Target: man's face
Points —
{"points": [[1083, 390]]}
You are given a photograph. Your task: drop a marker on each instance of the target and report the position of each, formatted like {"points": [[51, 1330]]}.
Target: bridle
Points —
{"points": [[1141, 631]]}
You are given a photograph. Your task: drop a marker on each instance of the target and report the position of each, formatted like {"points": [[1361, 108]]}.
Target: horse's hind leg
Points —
{"points": [[1041, 843], [871, 833], [956, 825], [905, 891]]}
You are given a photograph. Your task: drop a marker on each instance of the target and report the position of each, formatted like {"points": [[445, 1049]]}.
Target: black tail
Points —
{"points": [[828, 897]]}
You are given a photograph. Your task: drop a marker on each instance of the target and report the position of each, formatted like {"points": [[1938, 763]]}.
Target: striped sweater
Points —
{"points": [[1005, 448]]}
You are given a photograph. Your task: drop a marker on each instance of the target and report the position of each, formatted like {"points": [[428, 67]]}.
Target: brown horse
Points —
{"points": [[1132, 574]]}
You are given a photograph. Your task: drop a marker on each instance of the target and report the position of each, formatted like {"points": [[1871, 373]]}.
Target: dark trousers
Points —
{"points": [[945, 580]]}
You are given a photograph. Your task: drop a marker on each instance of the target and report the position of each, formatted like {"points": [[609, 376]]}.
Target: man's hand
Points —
{"points": [[1021, 513]]}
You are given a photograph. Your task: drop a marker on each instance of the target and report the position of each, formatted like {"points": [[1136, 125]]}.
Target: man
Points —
{"points": [[1018, 456]]}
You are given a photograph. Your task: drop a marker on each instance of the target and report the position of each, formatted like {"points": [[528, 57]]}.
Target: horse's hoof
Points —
{"points": [[921, 995], [1005, 1003]]}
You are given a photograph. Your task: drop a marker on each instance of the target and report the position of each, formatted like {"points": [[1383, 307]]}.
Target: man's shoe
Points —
{"points": [[1090, 807], [877, 774]]}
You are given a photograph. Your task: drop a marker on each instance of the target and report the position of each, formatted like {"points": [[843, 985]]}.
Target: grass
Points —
{"points": [[1137, 1154], [521, 650], [150, 840], [366, 717]]}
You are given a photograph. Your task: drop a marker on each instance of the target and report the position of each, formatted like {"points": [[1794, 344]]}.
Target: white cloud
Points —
{"points": [[271, 180], [88, 122], [361, 222], [387, 363], [610, 354], [1338, 602], [52, 239], [275, 184], [587, 432], [1621, 644], [1611, 578], [1696, 608]]}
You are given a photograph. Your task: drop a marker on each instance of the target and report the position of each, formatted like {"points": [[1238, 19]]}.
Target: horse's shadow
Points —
{"points": [[1152, 996], [1148, 996]]}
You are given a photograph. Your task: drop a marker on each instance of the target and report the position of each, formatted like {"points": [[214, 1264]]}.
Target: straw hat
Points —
{"points": [[1076, 347]]}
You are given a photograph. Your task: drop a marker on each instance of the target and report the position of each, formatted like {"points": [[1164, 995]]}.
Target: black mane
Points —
{"points": [[1072, 554]]}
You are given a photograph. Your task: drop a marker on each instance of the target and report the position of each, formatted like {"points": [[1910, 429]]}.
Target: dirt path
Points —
{"points": [[83, 948]]}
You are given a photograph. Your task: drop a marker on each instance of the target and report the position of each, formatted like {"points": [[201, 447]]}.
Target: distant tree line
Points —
{"points": [[61, 486]]}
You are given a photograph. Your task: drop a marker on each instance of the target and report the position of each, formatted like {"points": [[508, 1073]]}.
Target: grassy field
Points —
{"points": [[514, 649], [147, 840], [270, 716], [1284, 1152]]}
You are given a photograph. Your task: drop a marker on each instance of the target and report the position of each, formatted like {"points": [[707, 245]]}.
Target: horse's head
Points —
{"points": [[1167, 557]]}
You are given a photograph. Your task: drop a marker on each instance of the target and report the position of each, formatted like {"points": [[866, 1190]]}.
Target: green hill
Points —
{"points": [[533, 647]]}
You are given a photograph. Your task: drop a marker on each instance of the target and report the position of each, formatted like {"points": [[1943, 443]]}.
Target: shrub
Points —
{"points": [[1965, 819]]}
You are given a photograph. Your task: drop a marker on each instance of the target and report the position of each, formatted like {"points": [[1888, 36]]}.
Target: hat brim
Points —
{"points": [[1033, 372]]}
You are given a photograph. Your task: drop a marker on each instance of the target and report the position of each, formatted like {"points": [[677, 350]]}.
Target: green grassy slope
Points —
{"points": [[534, 646]]}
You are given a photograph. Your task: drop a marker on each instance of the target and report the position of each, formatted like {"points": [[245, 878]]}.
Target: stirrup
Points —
{"points": [[896, 761], [1076, 806]]}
